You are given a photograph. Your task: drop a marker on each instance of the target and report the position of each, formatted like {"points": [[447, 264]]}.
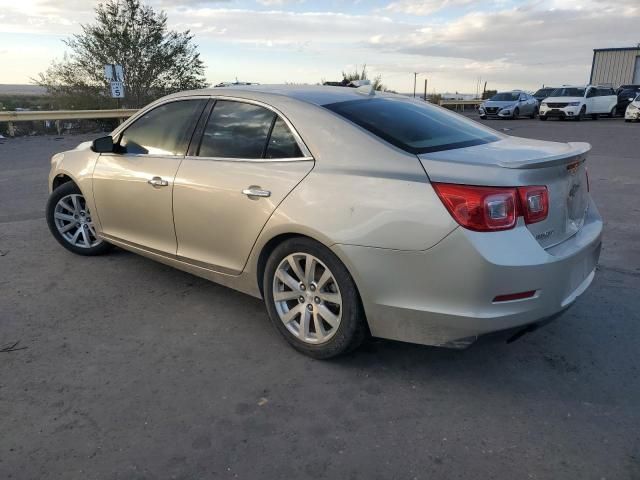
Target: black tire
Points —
{"points": [[483, 117], [627, 120], [70, 188], [612, 113], [542, 118], [595, 116], [534, 113], [516, 114], [580, 116], [352, 329]]}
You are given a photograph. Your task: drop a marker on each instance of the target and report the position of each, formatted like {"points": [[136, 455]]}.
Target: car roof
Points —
{"points": [[315, 94]]}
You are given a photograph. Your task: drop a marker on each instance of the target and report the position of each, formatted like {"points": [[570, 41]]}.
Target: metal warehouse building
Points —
{"points": [[616, 66]]}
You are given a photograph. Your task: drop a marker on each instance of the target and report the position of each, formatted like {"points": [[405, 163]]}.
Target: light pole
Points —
{"points": [[415, 79]]}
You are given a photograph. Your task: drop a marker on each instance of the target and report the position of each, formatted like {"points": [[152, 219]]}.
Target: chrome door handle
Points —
{"points": [[157, 182], [256, 192]]}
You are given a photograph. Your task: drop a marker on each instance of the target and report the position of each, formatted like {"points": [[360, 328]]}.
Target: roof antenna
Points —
{"points": [[364, 87]]}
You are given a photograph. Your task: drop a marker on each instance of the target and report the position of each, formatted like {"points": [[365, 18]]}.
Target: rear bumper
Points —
{"points": [[444, 295]]}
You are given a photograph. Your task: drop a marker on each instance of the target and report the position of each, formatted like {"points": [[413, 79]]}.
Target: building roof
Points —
{"points": [[618, 49]]}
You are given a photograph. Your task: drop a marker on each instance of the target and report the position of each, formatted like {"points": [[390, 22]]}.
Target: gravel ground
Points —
{"points": [[133, 370]]}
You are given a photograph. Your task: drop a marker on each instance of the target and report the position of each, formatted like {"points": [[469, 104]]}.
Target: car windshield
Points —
{"points": [[568, 92], [505, 97], [543, 92], [630, 92], [412, 126]]}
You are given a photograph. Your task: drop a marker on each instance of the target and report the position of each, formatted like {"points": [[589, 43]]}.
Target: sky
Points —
{"points": [[455, 44]]}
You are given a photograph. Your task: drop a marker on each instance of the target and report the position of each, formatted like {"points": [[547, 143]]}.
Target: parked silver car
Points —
{"points": [[509, 105], [349, 212]]}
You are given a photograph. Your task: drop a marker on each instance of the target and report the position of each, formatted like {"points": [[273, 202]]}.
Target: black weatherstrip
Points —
{"points": [[196, 138]]}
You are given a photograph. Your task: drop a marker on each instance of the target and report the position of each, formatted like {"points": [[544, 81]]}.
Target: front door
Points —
{"points": [[133, 186], [247, 163]]}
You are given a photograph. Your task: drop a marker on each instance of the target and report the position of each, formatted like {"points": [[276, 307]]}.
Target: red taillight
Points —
{"points": [[483, 209], [534, 202], [490, 209]]}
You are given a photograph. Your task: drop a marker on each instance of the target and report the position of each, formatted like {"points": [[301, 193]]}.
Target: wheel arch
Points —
{"points": [[60, 179]]}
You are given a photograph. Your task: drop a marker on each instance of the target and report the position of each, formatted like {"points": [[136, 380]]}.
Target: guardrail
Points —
{"points": [[57, 115], [461, 103]]}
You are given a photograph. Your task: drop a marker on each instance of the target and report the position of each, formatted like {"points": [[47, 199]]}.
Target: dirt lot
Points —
{"points": [[132, 370]]}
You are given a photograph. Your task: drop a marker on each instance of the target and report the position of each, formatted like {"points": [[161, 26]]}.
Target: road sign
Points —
{"points": [[117, 89], [113, 73]]}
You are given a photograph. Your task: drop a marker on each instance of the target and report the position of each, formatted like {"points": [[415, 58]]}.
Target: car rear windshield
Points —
{"points": [[506, 97], [412, 126], [568, 92]]}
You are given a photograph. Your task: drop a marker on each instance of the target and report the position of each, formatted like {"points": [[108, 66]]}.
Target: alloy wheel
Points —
{"points": [[73, 221], [307, 298]]}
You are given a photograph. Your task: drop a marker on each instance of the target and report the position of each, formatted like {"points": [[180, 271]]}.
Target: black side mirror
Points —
{"points": [[103, 145]]}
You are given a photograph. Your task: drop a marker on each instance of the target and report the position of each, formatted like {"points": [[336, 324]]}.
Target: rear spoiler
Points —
{"points": [[578, 154]]}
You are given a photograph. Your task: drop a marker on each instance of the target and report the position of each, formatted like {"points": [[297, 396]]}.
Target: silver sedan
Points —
{"points": [[349, 212]]}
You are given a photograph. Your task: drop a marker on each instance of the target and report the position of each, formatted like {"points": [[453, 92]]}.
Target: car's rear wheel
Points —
{"points": [[612, 113], [534, 113], [312, 299], [70, 221]]}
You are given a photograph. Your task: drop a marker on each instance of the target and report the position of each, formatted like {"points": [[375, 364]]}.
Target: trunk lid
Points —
{"points": [[514, 162]]}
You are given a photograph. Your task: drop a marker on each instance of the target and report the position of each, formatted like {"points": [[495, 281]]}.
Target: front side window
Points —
{"points": [[412, 126], [165, 130]]}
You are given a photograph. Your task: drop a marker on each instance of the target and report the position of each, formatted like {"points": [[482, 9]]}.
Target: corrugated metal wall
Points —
{"points": [[614, 67]]}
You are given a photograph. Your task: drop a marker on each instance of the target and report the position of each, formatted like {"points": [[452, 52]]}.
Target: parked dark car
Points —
{"points": [[543, 93], [626, 94]]}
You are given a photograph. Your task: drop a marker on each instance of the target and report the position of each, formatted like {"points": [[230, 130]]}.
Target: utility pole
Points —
{"points": [[415, 79], [425, 89]]}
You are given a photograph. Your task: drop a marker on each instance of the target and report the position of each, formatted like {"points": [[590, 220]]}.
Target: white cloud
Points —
{"points": [[538, 42], [424, 7]]}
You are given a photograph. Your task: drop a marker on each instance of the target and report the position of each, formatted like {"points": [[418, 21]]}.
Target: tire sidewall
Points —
{"points": [[352, 324], [63, 190]]}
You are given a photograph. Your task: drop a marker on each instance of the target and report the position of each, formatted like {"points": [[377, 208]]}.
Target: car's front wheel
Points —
{"points": [[70, 221], [312, 299]]}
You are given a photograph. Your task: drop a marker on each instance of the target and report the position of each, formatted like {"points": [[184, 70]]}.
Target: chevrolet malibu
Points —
{"points": [[350, 212]]}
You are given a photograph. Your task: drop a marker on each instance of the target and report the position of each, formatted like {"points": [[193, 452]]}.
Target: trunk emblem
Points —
{"points": [[544, 235]]}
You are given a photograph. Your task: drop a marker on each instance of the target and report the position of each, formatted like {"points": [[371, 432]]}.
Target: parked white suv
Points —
{"points": [[577, 102], [633, 110]]}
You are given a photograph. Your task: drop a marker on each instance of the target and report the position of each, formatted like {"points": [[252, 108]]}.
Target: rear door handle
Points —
{"points": [[157, 182], [256, 192]]}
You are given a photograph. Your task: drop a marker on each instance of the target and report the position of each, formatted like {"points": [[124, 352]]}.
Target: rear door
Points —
{"points": [[133, 187], [248, 160]]}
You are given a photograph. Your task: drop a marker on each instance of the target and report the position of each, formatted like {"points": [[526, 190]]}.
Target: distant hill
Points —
{"points": [[7, 89]]}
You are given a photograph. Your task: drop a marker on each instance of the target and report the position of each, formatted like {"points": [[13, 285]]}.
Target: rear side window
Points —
{"points": [[282, 143], [413, 127], [165, 130], [244, 130]]}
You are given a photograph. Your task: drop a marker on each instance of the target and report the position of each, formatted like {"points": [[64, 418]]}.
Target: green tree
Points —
{"points": [[155, 60], [363, 75]]}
